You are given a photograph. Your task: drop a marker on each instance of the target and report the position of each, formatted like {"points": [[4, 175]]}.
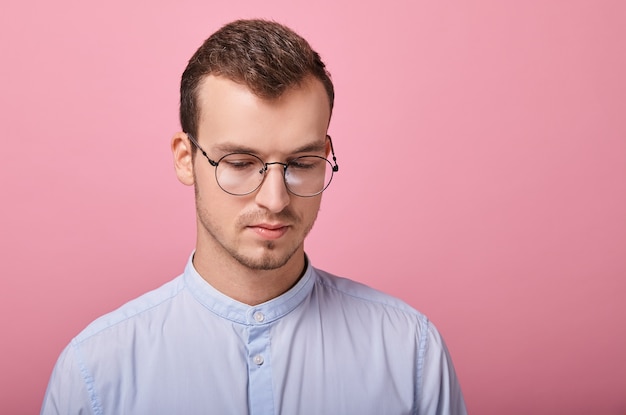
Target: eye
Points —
{"points": [[240, 162], [305, 163]]}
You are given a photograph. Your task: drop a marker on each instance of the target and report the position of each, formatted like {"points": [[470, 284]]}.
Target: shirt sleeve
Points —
{"points": [[67, 391], [438, 389]]}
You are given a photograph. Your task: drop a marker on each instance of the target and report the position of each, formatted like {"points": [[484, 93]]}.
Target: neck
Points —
{"points": [[246, 285]]}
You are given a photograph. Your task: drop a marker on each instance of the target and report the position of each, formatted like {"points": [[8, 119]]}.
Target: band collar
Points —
{"points": [[241, 313]]}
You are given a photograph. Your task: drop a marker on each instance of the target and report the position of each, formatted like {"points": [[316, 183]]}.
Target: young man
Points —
{"points": [[251, 327]]}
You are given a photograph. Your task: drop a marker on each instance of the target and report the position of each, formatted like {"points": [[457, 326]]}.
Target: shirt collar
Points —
{"points": [[241, 313]]}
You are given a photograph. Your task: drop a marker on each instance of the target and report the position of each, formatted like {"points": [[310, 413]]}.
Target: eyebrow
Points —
{"points": [[226, 148]]}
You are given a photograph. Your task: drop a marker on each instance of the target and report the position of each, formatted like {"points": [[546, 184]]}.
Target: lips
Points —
{"points": [[269, 230]]}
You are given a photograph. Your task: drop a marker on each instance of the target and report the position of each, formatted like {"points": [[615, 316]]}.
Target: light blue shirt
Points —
{"points": [[328, 346]]}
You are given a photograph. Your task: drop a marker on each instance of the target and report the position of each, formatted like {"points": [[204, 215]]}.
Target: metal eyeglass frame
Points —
{"points": [[213, 163]]}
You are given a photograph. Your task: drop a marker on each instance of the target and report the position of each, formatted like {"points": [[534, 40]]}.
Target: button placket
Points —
{"points": [[260, 385]]}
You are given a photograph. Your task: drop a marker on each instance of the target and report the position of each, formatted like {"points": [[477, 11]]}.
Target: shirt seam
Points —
{"points": [[79, 340], [88, 380], [406, 310], [421, 356]]}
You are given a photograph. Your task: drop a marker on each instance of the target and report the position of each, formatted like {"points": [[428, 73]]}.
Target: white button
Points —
{"points": [[259, 317], [258, 359]]}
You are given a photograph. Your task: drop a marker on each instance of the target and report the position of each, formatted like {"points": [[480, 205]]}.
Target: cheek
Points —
{"points": [[203, 177], [206, 186], [307, 208], [213, 201]]}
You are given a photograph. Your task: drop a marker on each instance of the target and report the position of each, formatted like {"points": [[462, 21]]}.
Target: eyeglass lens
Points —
{"points": [[241, 174]]}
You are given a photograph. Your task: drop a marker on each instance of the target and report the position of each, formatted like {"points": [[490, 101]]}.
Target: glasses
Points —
{"points": [[240, 174]]}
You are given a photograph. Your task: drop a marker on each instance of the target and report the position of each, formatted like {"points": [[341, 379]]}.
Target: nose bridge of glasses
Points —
{"points": [[264, 176], [267, 165]]}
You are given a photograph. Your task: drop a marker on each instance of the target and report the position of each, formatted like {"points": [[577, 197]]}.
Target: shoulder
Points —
{"points": [[146, 305], [361, 292], [347, 293]]}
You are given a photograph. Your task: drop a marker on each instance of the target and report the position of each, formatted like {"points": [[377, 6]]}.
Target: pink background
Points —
{"points": [[482, 147]]}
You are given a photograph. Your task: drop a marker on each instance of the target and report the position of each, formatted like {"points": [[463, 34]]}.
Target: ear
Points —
{"points": [[182, 149], [327, 146]]}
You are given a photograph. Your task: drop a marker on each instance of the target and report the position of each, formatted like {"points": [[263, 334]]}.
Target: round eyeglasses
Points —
{"points": [[240, 174]]}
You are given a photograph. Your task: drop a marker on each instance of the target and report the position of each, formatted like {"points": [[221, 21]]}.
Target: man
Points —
{"points": [[251, 327]]}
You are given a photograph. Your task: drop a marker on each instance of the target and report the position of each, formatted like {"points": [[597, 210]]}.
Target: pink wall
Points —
{"points": [[482, 147]]}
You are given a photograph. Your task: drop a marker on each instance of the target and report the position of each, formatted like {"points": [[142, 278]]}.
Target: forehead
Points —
{"points": [[230, 114]]}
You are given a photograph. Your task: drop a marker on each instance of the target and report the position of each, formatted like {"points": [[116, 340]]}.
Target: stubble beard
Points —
{"points": [[270, 259]]}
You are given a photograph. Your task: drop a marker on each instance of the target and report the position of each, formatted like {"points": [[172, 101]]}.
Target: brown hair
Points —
{"points": [[267, 57]]}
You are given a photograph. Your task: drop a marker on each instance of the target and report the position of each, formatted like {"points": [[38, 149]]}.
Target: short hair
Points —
{"points": [[265, 56]]}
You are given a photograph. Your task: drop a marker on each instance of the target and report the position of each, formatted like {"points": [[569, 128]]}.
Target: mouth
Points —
{"points": [[269, 230]]}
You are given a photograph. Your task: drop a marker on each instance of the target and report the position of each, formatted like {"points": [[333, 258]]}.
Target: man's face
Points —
{"points": [[265, 229]]}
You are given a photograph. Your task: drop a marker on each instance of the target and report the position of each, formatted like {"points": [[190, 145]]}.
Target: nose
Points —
{"points": [[273, 194]]}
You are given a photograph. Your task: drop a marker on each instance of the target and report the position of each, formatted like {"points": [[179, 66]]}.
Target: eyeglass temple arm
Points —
{"points": [[195, 143], [332, 151]]}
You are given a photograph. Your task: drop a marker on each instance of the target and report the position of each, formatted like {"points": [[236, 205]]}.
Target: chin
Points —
{"points": [[268, 260]]}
